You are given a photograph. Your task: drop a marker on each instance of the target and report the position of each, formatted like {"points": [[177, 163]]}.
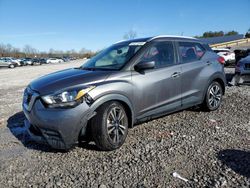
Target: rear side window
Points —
{"points": [[223, 51], [191, 51], [162, 53]]}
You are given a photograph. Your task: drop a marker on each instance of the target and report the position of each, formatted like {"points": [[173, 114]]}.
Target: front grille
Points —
{"points": [[247, 66]]}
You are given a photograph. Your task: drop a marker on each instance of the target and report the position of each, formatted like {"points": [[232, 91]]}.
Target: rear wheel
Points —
{"points": [[213, 97], [110, 126]]}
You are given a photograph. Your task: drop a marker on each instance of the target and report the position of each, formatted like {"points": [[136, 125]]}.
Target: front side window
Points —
{"points": [[191, 51], [114, 57], [162, 53]]}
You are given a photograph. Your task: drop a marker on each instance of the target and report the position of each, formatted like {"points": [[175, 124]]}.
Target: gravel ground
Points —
{"points": [[207, 149]]}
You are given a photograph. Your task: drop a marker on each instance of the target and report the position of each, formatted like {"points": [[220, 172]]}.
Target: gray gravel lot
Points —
{"points": [[208, 149]]}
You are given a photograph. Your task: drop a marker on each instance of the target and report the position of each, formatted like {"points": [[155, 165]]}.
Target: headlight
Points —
{"points": [[67, 98]]}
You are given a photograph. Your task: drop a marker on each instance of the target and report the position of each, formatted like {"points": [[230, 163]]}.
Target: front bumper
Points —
{"points": [[60, 128]]}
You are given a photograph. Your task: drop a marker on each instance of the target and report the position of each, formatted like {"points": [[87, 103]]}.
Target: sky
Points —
{"points": [[95, 24]]}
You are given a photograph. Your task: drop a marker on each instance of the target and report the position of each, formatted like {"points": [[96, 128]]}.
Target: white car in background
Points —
{"points": [[226, 53], [10, 59], [54, 60]]}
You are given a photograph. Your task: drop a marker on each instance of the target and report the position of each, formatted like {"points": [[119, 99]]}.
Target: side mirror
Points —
{"points": [[143, 65]]}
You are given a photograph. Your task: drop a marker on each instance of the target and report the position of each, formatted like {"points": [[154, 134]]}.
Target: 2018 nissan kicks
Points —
{"points": [[129, 82]]}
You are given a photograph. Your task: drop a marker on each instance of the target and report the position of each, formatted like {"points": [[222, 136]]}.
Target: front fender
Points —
{"points": [[111, 97]]}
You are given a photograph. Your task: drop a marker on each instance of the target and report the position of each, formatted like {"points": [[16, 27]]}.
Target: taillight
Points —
{"points": [[221, 60]]}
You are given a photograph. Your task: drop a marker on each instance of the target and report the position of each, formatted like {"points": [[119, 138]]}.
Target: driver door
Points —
{"points": [[157, 90]]}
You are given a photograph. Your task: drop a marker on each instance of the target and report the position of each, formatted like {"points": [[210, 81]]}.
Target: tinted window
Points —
{"points": [[190, 51], [223, 51], [162, 53]]}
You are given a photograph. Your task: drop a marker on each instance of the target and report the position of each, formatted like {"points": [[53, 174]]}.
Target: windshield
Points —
{"points": [[114, 57]]}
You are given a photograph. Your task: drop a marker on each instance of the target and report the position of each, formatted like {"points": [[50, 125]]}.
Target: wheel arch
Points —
{"points": [[218, 78], [119, 98], [222, 83]]}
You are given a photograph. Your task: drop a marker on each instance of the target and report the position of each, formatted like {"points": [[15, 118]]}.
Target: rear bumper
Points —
{"points": [[60, 128], [242, 71]]}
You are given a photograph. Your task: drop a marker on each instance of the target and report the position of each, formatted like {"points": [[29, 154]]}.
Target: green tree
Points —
{"points": [[231, 33], [247, 35], [213, 34]]}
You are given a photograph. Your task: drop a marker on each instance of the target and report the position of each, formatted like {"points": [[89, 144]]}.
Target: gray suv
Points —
{"points": [[128, 83]]}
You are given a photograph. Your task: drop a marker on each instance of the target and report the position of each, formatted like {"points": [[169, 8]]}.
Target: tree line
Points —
{"points": [[7, 50], [208, 34]]}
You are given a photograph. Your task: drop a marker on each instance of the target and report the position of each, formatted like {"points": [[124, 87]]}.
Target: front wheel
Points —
{"points": [[110, 126], [11, 66], [213, 97]]}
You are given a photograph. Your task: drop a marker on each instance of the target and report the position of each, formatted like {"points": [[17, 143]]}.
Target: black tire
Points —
{"points": [[12, 66], [213, 97], [108, 134]]}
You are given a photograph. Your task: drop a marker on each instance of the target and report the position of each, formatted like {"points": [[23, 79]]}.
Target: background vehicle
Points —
{"points": [[36, 61], [243, 66], [11, 59], [26, 61], [241, 53], [23, 62], [127, 83], [54, 60], [7, 63], [227, 54], [43, 61], [66, 59]]}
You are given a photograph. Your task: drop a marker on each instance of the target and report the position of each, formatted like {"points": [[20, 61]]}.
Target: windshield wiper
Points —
{"points": [[88, 68], [96, 68]]}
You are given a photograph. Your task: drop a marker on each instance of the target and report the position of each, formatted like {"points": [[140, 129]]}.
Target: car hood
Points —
{"points": [[67, 79]]}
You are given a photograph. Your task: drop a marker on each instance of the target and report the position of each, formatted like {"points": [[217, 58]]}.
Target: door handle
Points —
{"points": [[176, 74]]}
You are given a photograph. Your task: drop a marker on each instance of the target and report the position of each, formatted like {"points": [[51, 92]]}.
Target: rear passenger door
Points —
{"points": [[193, 68]]}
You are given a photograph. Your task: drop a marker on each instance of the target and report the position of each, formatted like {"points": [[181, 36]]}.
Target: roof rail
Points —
{"points": [[171, 36]]}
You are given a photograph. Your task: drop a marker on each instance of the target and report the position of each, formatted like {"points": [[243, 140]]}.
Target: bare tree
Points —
{"points": [[83, 51], [130, 35], [8, 49], [30, 51], [2, 49]]}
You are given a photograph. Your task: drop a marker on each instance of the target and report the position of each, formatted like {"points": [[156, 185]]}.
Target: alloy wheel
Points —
{"points": [[116, 124], [215, 95]]}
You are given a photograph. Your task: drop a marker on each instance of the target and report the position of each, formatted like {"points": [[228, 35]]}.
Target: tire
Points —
{"points": [[11, 66], [109, 128], [213, 97]]}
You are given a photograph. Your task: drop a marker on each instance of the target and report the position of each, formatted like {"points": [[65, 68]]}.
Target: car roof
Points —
{"points": [[148, 39]]}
